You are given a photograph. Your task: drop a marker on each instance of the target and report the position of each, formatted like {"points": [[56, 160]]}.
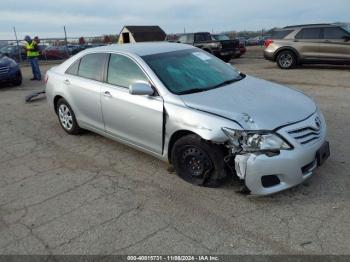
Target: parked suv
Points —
{"points": [[223, 48], [305, 44], [10, 71]]}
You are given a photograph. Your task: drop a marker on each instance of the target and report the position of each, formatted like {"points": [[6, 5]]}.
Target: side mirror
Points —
{"points": [[141, 88]]}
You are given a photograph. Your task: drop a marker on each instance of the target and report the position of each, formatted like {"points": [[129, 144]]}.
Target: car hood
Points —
{"points": [[254, 103]]}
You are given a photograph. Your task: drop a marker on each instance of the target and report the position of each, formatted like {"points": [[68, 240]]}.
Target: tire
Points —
{"points": [[18, 80], [226, 58], [198, 162], [66, 117], [208, 51], [286, 60]]}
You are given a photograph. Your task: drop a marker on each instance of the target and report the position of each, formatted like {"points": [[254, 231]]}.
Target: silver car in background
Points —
{"points": [[185, 106]]}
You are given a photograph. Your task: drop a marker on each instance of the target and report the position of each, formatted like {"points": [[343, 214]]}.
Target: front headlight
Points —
{"points": [[13, 63], [252, 141]]}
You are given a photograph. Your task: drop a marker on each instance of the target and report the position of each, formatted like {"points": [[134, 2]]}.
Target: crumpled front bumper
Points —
{"points": [[291, 167]]}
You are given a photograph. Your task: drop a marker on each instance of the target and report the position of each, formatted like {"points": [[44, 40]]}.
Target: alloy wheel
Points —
{"points": [[286, 60], [65, 116]]}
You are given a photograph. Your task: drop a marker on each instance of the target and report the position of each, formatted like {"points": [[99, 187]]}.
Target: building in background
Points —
{"points": [[133, 34]]}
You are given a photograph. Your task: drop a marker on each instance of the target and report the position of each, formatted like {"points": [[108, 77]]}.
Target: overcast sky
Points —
{"points": [[96, 17]]}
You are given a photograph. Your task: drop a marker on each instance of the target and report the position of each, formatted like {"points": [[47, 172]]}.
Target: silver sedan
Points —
{"points": [[185, 106]]}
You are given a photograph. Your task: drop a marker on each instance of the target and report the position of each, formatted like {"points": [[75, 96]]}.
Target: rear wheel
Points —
{"points": [[67, 118], [198, 162], [286, 60]]}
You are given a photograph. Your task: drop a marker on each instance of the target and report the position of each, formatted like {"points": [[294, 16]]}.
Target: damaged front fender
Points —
{"points": [[206, 125]]}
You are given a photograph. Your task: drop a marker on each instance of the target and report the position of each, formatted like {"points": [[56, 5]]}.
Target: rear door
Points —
{"points": [[83, 81], [335, 44], [308, 41], [135, 119]]}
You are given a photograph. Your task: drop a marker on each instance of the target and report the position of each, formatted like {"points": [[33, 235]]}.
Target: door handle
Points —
{"points": [[66, 82], [107, 94]]}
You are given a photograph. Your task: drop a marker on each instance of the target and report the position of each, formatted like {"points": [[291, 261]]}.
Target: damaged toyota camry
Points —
{"points": [[185, 106]]}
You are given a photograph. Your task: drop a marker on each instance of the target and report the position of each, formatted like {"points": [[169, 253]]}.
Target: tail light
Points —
{"points": [[268, 42]]}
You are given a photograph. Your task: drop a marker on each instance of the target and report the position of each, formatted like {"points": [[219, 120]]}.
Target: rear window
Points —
{"points": [[280, 34]]}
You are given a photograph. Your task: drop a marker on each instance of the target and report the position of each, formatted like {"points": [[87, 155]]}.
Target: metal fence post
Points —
{"points": [[19, 50], [65, 39]]}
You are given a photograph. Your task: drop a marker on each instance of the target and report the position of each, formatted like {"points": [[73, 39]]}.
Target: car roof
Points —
{"points": [[194, 33], [307, 25], [142, 49]]}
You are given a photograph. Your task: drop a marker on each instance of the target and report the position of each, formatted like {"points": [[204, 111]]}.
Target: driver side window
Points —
{"points": [[122, 71]]}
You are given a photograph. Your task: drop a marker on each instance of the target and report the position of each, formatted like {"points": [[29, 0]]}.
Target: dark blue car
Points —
{"points": [[10, 71]]}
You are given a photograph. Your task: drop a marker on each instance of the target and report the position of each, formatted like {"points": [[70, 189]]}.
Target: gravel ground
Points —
{"points": [[62, 194]]}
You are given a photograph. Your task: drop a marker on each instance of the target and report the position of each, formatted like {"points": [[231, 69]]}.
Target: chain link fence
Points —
{"points": [[53, 48]]}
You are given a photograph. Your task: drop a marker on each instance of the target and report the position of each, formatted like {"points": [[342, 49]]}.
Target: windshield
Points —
{"points": [[347, 28], [191, 70], [221, 37]]}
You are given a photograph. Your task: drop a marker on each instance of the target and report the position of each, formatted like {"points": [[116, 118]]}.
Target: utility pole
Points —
{"points": [[65, 38], [19, 50]]}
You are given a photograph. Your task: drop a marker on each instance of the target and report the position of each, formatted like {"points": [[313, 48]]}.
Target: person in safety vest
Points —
{"points": [[32, 49]]}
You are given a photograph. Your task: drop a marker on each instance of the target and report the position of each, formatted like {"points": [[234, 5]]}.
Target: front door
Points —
{"points": [[336, 44], [135, 119], [308, 42]]}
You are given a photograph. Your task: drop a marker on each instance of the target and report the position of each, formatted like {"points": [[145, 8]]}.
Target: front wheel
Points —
{"points": [[226, 58], [67, 118], [198, 162], [286, 60], [18, 80]]}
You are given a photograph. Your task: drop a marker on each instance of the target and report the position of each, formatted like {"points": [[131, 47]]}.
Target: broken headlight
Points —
{"points": [[254, 141]]}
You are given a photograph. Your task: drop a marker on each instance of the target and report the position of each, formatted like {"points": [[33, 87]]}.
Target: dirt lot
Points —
{"points": [[61, 194]]}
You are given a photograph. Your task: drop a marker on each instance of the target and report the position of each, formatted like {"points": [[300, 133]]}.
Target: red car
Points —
{"points": [[55, 52]]}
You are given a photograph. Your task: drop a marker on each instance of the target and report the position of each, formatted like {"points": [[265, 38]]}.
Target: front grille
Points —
{"points": [[4, 70], [305, 135]]}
